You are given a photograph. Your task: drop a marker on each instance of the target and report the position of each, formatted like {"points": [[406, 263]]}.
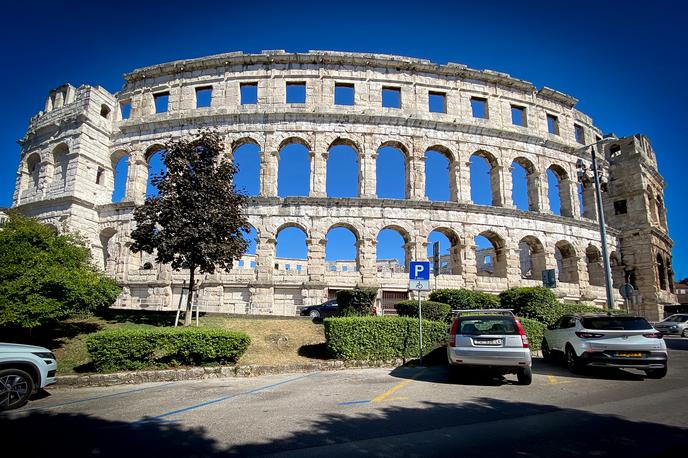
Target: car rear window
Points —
{"points": [[618, 323], [487, 325]]}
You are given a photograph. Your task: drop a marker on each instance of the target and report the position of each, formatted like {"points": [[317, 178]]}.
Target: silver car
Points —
{"points": [[674, 324], [491, 339], [23, 370]]}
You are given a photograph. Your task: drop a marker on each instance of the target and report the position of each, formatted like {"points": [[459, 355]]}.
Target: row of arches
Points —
{"points": [[51, 172]]}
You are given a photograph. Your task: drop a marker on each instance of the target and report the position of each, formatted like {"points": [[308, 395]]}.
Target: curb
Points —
{"points": [[200, 373]]}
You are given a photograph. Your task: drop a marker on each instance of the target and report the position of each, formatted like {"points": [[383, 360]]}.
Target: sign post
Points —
{"points": [[626, 291], [419, 280]]}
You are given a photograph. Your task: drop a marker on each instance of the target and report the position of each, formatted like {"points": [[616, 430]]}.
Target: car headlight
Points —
{"points": [[45, 355]]}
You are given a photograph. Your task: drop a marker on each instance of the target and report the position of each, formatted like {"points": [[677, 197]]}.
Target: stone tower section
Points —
{"points": [[634, 204]]}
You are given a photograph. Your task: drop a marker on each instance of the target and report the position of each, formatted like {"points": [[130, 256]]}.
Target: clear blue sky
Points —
{"points": [[626, 62]]}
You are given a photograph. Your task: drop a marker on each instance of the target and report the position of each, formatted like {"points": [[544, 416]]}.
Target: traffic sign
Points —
{"points": [[626, 290], [419, 270], [436, 258], [549, 278], [419, 285]]}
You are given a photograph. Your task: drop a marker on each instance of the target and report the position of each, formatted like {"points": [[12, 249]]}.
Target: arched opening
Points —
{"points": [[392, 172], [392, 250], [341, 250], [120, 167], [246, 159], [531, 258], [291, 252], [60, 165], [661, 215], [489, 255], [595, 268], [661, 272], [248, 259], [449, 251], [107, 243], [485, 179], [559, 192], [343, 171], [567, 262], [33, 167], [438, 186], [105, 111], [155, 158], [293, 178]]}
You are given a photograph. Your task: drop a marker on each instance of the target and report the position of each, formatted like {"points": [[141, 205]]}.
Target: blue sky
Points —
{"points": [[626, 62]]}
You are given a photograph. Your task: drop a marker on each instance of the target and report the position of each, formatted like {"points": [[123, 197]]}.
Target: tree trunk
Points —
{"points": [[189, 298]]}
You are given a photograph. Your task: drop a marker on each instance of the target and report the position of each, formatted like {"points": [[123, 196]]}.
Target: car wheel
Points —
{"points": [[524, 375], [572, 360], [656, 373], [314, 314], [15, 388], [546, 352], [684, 333]]}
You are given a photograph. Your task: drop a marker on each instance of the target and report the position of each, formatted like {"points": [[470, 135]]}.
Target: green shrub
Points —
{"points": [[536, 302], [534, 330], [356, 302], [583, 308], [433, 311], [378, 338], [137, 348], [465, 299]]}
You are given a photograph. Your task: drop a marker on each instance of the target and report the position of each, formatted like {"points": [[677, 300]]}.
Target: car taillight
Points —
{"points": [[588, 335], [653, 335], [522, 333], [452, 333]]}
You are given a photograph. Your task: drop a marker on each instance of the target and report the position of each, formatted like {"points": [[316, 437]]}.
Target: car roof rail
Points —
{"points": [[484, 311]]}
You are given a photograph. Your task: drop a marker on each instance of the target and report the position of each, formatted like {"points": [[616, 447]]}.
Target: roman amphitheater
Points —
{"points": [[326, 102]]}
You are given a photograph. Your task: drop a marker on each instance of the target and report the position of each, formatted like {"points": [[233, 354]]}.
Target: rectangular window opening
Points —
{"points": [[161, 102], [518, 116], [437, 102], [298, 267], [579, 133], [344, 94], [296, 92], [552, 124], [620, 207], [391, 97], [249, 93], [204, 96], [125, 109], [479, 107], [100, 175]]}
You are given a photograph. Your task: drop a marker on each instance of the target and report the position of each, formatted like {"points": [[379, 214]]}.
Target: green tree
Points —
{"points": [[45, 277], [197, 219]]}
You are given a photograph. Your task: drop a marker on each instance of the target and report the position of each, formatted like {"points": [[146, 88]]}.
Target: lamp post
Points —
{"points": [[600, 215]]}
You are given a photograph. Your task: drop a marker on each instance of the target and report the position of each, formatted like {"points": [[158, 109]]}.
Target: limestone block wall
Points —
{"points": [[70, 154]]}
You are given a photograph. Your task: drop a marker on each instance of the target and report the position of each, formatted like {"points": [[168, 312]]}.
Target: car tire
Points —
{"points": [[572, 361], [524, 375], [684, 333], [16, 386], [656, 373], [314, 314], [546, 352]]}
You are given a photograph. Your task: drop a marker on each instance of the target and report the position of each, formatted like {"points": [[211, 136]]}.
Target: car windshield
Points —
{"points": [[616, 323], [676, 318], [487, 325]]}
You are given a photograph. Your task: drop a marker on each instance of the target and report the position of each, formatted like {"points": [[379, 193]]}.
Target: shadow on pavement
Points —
{"points": [[677, 343]]}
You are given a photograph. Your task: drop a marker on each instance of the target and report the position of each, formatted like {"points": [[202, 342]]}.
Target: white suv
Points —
{"points": [[607, 341], [23, 370]]}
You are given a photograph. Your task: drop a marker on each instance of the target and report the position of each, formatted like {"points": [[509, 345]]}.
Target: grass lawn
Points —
{"points": [[274, 341]]}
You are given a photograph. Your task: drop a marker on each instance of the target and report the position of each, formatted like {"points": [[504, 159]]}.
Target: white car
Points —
{"points": [[23, 370], [598, 340]]}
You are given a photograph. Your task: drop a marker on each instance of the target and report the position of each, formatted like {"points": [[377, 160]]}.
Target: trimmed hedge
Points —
{"points": [[379, 338], [536, 302], [534, 330], [433, 311], [356, 302], [138, 348], [465, 299]]}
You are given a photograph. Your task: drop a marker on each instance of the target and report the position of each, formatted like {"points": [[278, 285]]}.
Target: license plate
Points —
{"points": [[488, 341], [628, 354]]}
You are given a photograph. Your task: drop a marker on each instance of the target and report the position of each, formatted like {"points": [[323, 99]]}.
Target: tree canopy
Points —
{"points": [[196, 221], [45, 277]]}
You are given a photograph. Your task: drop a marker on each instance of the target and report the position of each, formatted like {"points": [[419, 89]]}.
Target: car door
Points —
{"points": [[330, 308], [553, 334]]}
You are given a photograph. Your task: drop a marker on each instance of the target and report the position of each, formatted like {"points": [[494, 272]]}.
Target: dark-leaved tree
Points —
{"points": [[197, 218]]}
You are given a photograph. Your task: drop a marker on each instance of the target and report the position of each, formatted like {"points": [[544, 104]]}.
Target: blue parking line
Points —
{"points": [[223, 398], [348, 403], [136, 390]]}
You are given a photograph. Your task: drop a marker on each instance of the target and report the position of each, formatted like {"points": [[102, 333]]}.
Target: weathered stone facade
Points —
{"points": [[70, 152]]}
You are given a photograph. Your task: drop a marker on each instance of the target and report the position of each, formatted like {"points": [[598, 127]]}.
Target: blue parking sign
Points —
{"points": [[419, 270]]}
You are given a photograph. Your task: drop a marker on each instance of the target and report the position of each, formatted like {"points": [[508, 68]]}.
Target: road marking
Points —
{"points": [[555, 381], [391, 391], [136, 390], [348, 403], [223, 398]]}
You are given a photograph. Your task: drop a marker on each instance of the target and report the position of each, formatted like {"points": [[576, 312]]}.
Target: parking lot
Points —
{"points": [[407, 411]]}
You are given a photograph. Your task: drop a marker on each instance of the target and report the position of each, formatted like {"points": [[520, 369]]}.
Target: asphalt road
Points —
{"points": [[374, 412]]}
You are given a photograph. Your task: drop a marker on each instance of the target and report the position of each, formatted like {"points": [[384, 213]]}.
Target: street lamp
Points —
{"points": [[582, 172]]}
